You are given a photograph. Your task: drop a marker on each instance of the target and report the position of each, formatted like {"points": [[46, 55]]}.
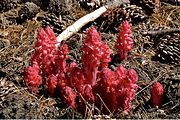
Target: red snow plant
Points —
{"points": [[157, 94], [124, 43], [93, 81]]}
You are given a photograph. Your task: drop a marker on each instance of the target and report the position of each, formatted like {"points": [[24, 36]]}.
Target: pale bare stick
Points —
{"points": [[79, 24]]}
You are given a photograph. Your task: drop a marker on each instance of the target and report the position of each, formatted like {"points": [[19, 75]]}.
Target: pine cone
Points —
{"points": [[52, 6], [6, 5], [168, 50], [53, 21], [56, 7], [147, 5], [59, 7], [113, 17], [135, 13], [28, 11]]}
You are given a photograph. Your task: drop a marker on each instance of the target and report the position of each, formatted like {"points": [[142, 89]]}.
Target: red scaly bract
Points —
{"points": [[157, 94], [124, 43], [43, 57]]}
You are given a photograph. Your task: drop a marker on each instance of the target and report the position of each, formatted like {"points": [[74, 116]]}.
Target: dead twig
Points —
{"points": [[162, 32], [79, 24]]}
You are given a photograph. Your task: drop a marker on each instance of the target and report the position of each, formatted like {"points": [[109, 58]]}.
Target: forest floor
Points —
{"points": [[155, 57]]}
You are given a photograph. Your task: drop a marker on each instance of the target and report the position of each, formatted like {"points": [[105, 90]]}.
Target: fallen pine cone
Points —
{"points": [[28, 11], [147, 5], [113, 17], [168, 50]]}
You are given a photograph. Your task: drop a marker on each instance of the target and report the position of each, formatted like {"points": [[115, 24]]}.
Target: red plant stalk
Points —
{"points": [[78, 81], [70, 96], [126, 87], [157, 94], [106, 90], [43, 57], [32, 77], [117, 88], [62, 56], [45, 45], [94, 52], [125, 42]]}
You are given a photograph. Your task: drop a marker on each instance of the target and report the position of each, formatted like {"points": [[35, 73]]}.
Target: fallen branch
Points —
{"points": [[79, 24], [162, 32]]}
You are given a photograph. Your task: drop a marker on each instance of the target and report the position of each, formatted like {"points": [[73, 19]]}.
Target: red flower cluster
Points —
{"points": [[125, 42], [116, 88]]}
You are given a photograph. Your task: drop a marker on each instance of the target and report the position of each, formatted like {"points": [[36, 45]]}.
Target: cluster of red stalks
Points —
{"points": [[93, 81]]}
